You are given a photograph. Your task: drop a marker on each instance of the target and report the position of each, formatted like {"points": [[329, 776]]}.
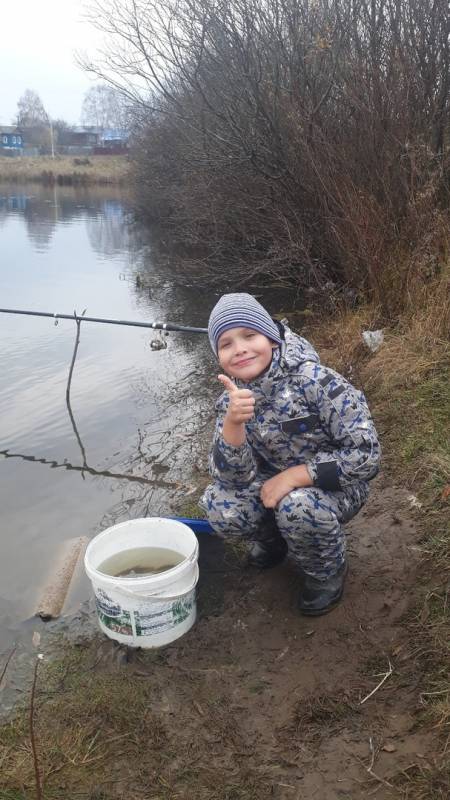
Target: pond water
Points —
{"points": [[129, 448]]}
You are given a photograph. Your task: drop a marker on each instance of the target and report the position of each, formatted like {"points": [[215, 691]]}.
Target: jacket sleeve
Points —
{"points": [[354, 452], [234, 467]]}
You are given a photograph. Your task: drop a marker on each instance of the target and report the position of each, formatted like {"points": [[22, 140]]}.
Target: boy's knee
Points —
{"points": [[298, 498], [303, 506], [222, 509], [231, 512]]}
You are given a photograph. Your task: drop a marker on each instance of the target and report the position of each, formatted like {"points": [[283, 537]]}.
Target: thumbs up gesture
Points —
{"points": [[242, 402]]}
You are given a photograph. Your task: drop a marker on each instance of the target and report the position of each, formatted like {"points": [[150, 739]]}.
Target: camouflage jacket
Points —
{"points": [[305, 413]]}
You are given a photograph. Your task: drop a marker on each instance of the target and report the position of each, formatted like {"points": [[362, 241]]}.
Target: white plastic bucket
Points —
{"points": [[150, 610]]}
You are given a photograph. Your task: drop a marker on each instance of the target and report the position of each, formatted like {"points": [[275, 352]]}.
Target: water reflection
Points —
{"points": [[85, 468], [43, 208], [108, 230]]}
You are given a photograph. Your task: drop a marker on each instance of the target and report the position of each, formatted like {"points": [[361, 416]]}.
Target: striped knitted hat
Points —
{"points": [[240, 311]]}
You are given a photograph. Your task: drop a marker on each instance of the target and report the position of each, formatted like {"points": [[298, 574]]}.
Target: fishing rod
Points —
{"points": [[160, 326]]}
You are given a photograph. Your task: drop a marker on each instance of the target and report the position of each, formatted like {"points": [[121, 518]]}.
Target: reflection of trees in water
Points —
{"points": [[189, 290], [175, 440], [165, 454], [41, 218], [108, 230], [156, 280], [43, 207]]}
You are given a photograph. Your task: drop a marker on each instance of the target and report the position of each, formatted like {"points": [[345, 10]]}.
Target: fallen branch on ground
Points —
{"points": [[385, 677]]}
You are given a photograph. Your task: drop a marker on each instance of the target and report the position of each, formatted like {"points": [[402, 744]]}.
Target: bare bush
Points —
{"points": [[290, 140]]}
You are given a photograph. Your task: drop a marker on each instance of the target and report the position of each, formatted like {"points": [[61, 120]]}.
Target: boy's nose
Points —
{"points": [[241, 347]]}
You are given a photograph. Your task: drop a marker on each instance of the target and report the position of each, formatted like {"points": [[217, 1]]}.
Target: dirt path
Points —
{"points": [[257, 701]]}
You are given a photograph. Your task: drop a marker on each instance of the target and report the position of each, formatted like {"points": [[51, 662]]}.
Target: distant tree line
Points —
{"points": [[103, 107], [290, 141]]}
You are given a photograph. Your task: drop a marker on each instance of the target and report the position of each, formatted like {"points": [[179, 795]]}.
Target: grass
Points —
{"points": [[80, 719], [420, 783], [190, 509], [321, 715], [104, 733], [65, 170], [406, 382]]}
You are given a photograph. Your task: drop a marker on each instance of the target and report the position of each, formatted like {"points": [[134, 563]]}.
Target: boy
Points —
{"points": [[293, 449]]}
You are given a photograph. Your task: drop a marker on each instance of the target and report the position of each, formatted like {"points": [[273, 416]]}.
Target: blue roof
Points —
{"points": [[114, 133]]}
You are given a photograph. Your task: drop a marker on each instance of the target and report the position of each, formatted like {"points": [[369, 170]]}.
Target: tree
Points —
{"points": [[32, 116], [31, 111], [60, 126], [288, 139], [104, 107]]}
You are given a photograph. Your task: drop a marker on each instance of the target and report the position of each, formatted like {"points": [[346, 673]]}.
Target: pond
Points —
{"points": [[129, 449]]}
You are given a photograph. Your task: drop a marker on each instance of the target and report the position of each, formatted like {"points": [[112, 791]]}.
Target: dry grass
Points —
{"points": [[65, 170], [406, 380], [319, 713], [417, 344], [421, 782]]}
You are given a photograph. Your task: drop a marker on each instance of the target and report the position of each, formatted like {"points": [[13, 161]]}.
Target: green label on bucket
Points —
{"points": [[181, 610], [157, 618], [112, 616]]}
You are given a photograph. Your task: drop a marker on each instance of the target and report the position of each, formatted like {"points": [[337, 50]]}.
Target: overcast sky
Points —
{"points": [[38, 39]]}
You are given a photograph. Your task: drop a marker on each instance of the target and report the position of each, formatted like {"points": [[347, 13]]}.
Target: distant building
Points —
{"points": [[74, 137], [92, 139], [112, 141], [115, 136], [11, 140]]}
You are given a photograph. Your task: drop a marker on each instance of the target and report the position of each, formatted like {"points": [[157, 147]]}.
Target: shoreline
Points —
{"points": [[65, 170], [131, 697]]}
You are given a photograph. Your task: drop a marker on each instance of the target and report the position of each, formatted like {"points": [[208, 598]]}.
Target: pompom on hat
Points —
{"points": [[240, 310]]}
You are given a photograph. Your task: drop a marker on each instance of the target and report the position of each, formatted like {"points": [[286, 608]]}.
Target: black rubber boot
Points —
{"points": [[267, 546], [319, 597]]}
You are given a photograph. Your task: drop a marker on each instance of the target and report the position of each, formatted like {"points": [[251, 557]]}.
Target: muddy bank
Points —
{"points": [[255, 701]]}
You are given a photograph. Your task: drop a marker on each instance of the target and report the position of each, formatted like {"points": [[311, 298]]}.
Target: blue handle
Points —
{"points": [[196, 524]]}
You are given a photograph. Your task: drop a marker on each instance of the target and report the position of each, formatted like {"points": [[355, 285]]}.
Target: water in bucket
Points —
{"points": [[140, 561]]}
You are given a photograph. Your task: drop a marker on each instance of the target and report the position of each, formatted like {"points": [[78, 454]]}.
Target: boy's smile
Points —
{"points": [[244, 353]]}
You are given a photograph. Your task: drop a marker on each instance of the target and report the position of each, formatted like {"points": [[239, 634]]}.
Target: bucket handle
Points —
{"points": [[165, 598]]}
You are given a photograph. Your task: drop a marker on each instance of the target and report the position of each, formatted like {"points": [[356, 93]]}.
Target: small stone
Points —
{"points": [[389, 748]]}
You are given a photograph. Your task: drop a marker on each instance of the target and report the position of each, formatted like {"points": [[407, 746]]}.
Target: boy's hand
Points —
{"points": [[242, 402], [273, 490]]}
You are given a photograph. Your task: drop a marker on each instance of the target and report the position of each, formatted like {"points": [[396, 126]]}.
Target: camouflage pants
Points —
{"points": [[310, 520]]}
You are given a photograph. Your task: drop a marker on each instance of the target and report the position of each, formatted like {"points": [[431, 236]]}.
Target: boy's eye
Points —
{"points": [[250, 335], [223, 345]]}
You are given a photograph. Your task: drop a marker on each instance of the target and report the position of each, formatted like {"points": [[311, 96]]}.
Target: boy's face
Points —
{"points": [[244, 353]]}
